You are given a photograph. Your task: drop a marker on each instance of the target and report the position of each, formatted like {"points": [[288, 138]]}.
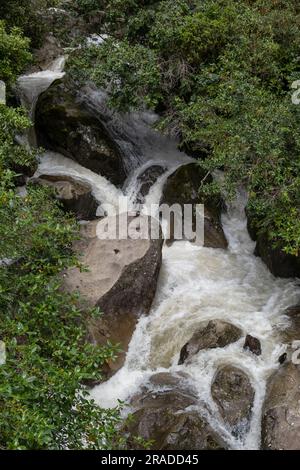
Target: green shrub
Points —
{"points": [[220, 72], [14, 53]]}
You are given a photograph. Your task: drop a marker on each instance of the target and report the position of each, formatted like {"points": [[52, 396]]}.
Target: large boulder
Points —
{"points": [[65, 126], [280, 264], [209, 335], [161, 414], [184, 187], [75, 196], [121, 280], [234, 395], [281, 411]]}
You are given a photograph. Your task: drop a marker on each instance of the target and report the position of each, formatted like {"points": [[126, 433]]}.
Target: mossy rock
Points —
{"points": [[280, 263], [63, 125]]}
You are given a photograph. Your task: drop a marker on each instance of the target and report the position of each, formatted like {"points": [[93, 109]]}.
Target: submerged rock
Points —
{"points": [[160, 413], [65, 126], [121, 280], [209, 335], [184, 187], [281, 411], [253, 344], [75, 196], [234, 395]]}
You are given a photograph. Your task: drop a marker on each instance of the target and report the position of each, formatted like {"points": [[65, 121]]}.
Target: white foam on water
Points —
{"points": [[52, 163], [96, 39], [32, 85]]}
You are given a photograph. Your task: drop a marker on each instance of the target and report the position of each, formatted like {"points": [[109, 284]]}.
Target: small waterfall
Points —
{"points": [[132, 133], [52, 163], [31, 86]]}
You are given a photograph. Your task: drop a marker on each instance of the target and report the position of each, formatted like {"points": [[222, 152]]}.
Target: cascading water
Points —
{"points": [[31, 86], [52, 163], [195, 284], [131, 133]]}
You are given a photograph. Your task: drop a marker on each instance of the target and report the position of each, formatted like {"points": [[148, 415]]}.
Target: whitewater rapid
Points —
{"points": [[198, 284]]}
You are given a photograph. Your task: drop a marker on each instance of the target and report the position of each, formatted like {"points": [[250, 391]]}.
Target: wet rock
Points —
{"points": [[184, 187], [210, 334], [292, 333], [279, 263], [121, 280], [282, 358], [65, 126], [23, 172], [281, 411], [160, 414], [147, 179], [45, 55], [75, 196], [234, 395], [252, 344]]}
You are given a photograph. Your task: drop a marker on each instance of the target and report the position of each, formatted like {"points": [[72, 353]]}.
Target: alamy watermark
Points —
{"points": [[177, 222], [296, 352], [2, 92], [2, 353], [296, 94]]}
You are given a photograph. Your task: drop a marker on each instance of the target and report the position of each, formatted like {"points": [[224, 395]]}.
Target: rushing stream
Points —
{"points": [[198, 284], [195, 283]]}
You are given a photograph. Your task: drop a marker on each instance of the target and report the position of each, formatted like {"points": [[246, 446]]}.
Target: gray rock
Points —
{"points": [[65, 126], [280, 264], [210, 334], [160, 414], [234, 395], [281, 411], [147, 179], [74, 196], [184, 187], [121, 280], [46, 54], [292, 333]]}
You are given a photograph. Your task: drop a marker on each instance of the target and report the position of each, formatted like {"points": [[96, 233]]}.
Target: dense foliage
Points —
{"points": [[43, 397], [220, 74], [26, 14], [14, 53], [43, 405]]}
